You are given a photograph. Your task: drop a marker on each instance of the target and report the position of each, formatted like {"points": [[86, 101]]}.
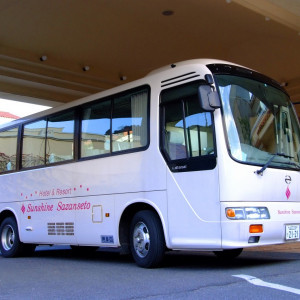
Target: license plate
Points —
{"points": [[292, 232]]}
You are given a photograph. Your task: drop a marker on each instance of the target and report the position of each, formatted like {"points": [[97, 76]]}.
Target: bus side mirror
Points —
{"points": [[209, 99]]}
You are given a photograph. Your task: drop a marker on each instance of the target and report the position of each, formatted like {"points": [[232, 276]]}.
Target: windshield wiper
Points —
{"points": [[260, 172]]}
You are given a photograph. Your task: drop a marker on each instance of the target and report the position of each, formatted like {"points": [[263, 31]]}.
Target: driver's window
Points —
{"points": [[199, 130], [188, 131], [175, 144]]}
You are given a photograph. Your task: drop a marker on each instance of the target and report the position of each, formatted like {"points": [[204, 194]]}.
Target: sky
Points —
{"points": [[20, 109]]}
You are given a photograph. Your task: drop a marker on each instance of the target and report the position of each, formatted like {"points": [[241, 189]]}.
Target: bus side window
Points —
{"points": [[60, 138], [129, 122], [95, 129], [8, 146], [33, 144], [122, 121]]}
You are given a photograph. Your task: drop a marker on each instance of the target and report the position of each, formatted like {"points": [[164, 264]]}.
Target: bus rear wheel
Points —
{"points": [[147, 241], [10, 244]]}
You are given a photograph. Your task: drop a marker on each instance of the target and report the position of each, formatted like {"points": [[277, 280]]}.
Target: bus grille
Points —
{"points": [[61, 228]]}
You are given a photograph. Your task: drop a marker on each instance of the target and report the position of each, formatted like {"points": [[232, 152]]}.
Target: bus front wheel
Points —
{"points": [[147, 242], [10, 244]]}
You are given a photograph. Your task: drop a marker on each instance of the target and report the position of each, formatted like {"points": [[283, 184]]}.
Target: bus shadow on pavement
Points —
{"points": [[105, 255], [173, 259], [208, 260]]}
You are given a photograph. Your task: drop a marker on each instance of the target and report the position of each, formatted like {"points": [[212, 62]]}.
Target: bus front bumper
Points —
{"points": [[282, 225]]}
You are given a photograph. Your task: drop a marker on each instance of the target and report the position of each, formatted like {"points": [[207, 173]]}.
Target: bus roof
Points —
{"points": [[120, 88]]}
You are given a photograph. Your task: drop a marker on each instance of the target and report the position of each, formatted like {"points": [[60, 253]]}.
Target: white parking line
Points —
{"points": [[257, 281]]}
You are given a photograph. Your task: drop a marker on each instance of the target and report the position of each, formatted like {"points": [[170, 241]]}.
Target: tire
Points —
{"points": [[10, 244], [228, 254], [147, 243]]}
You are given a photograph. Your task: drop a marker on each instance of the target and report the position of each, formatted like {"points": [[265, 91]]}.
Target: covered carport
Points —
{"points": [[53, 52]]}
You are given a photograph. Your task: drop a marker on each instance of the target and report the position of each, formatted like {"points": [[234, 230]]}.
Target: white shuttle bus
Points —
{"points": [[199, 155]]}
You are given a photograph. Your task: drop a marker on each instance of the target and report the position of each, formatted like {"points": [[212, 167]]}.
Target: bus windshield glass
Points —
{"points": [[260, 123]]}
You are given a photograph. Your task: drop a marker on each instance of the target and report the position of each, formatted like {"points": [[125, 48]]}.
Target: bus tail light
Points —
{"points": [[257, 228]]}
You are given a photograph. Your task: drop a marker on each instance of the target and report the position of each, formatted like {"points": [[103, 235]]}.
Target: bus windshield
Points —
{"points": [[260, 123]]}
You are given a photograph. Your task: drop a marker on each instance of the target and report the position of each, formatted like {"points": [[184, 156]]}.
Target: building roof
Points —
{"points": [[53, 59], [8, 115]]}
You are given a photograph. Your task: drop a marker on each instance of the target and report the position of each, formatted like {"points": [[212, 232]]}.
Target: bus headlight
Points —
{"points": [[247, 213]]}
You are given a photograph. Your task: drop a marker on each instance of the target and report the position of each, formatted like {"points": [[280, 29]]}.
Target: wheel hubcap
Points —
{"points": [[7, 237], [141, 239]]}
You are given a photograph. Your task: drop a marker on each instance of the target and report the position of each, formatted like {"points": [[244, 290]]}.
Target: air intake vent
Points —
{"points": [[61, 228], [180, 78]]}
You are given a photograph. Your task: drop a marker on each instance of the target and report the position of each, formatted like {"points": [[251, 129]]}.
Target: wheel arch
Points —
{"points": [[17, 247], [125, 220], [7, 213]]}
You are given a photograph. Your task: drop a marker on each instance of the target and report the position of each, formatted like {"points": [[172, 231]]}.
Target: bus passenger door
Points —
{"points": [[188, 147]]}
